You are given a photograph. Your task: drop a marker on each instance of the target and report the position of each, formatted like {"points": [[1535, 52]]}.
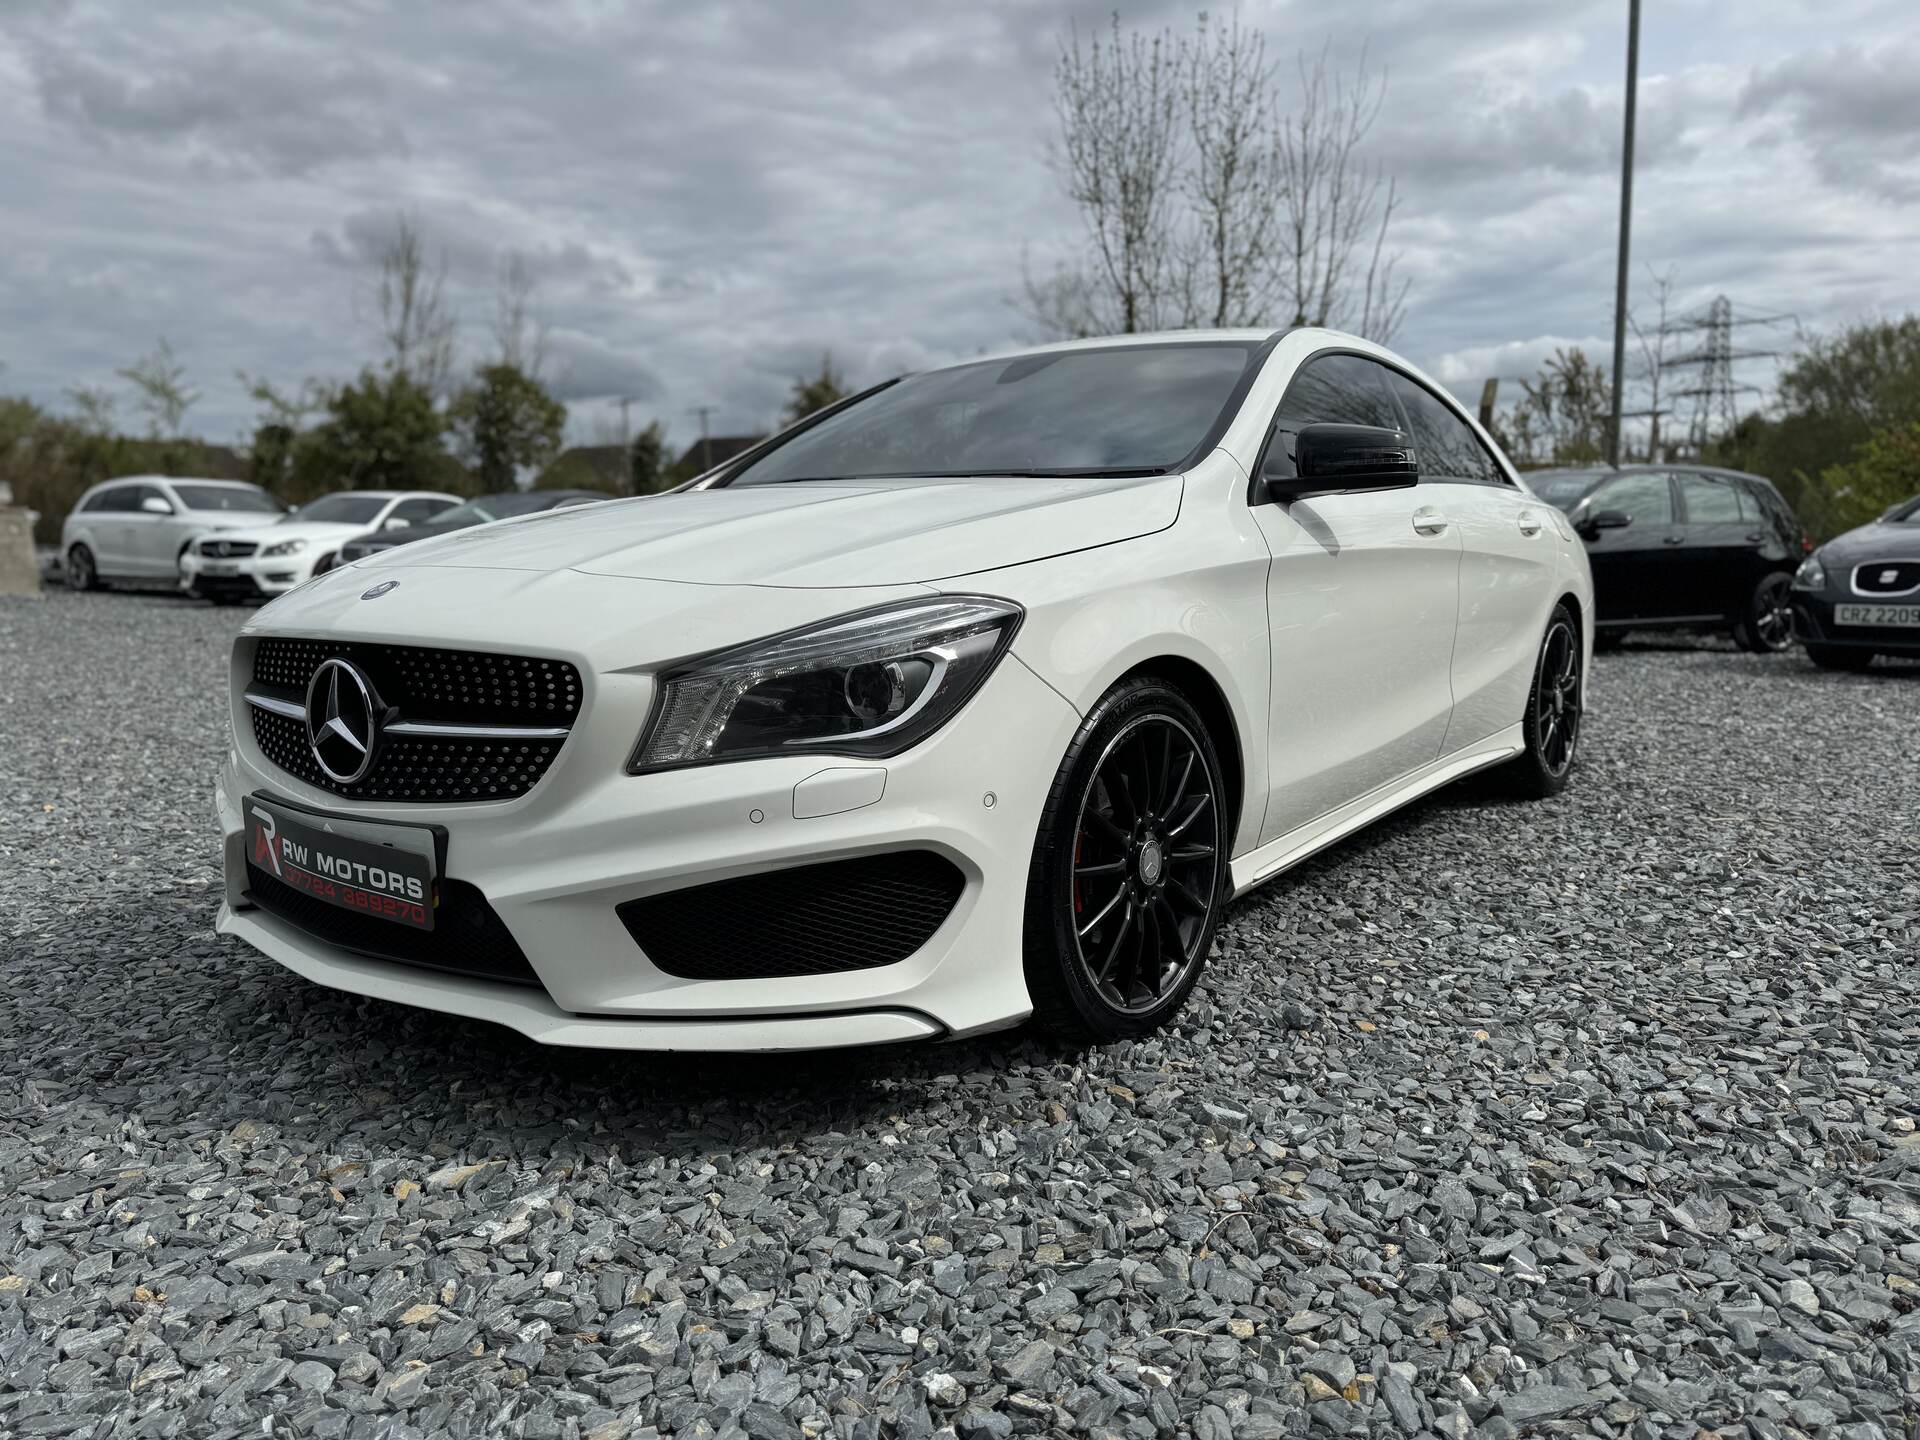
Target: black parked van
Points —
{"points": [[1684, 546]]}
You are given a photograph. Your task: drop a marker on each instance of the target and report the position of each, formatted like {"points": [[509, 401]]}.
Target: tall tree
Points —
{"points": [[815, 392], [519, 322], [416, 326], [1118, 105], [505, 421], [381, 432], [647, 460], [1651, 342], [1234, 181], [1563, 415], [96, 405], [1338, 207], [160, 390], [1210, 195]]}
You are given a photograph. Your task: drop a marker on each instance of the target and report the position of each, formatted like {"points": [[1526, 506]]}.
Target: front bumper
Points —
{"points": [[251, 577], [1813, 624], [555, 863]]}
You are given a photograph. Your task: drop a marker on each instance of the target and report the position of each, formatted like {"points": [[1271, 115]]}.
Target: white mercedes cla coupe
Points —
{"points": [[975, 697]]}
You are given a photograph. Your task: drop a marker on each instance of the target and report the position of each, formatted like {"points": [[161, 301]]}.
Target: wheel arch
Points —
{"points": [[1197, 683]]}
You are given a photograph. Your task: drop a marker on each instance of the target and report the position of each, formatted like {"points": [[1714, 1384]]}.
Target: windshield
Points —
{"points": [[243, 499], [1563, 488], [1907, 514], [1126, 410], [341, 509]]}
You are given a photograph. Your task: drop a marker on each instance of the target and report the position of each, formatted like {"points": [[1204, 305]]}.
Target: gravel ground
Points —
{"points": [[1594, 1117]]}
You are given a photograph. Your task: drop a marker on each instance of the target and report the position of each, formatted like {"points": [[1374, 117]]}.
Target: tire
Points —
{"points": [[1556, 702], [1839, 657], [1087, 954], [326, 563], [1765, 626], [82, 573]]}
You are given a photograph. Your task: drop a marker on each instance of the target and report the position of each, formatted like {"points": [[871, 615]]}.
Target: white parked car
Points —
{"points": [[137, 527], [975, 697], [268, 560]]}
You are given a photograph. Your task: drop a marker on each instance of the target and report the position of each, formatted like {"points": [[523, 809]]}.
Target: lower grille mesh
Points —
{"points": [[468, 937], [421, 770], [811, 920]]}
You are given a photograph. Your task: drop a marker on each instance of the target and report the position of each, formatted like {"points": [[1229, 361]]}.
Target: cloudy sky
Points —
{"points": [[711, 195]]}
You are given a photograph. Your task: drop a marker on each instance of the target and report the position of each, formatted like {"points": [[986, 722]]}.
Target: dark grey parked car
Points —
{"points": [[1684, 546], [480, 511]]}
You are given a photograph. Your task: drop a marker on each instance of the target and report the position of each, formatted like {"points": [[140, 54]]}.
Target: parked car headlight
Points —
{"points": [[283, 547], [1811, 575], [872, 683]]}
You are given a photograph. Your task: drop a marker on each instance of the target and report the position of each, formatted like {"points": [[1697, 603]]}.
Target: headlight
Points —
{"points": [[285, 547], [871, 684], [1811, 575]]}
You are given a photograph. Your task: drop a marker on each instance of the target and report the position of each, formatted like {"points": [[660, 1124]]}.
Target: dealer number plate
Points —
{"points": [[1895, 616], [384, 871]]}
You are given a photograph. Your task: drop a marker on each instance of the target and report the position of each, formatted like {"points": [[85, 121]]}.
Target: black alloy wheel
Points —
{"points": [[81, 574], [1767, 627], [1129, 868], [1555, 706]]}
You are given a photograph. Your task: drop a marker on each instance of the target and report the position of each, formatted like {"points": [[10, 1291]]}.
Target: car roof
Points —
{"points": [[1118, 342], [175, 479]]}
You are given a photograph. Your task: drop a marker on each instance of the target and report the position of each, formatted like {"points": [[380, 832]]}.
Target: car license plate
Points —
{"points": [[215, 567], [385, 871], [1896, 616]]}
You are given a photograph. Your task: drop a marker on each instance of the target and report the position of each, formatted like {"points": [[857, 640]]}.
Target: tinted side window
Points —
{"points": [[1447, 447], [1328, 390], [414, 512], [1646, 498], [1709, 501], [99, 500]]}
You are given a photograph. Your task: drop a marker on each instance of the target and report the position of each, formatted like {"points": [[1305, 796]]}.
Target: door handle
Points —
{"points": [[1529, 523], [1676, 539], [1428, 521]]}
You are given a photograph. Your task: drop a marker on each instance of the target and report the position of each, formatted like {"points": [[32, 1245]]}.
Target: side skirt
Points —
{"points": [[1261, 865]]}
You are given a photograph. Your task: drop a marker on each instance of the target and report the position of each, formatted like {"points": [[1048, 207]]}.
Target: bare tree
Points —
{"points": [[96, 405], [520, 328], [1233, 179], [160, 390], [1338, 206], [416, 326], [1118, 103], [1208, 198], [284, 407], [1652, 345]]}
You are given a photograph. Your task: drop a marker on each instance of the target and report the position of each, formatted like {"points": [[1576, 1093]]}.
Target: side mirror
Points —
{"points": [[397, 524], [1329, 459], [155, 505], [1607, 520]]}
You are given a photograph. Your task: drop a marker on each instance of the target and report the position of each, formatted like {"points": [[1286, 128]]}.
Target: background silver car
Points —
{"points": [[136, 528]]}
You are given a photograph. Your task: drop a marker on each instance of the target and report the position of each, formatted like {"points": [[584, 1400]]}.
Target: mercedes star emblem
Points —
{"points": [[342, 721], [377, 591]]}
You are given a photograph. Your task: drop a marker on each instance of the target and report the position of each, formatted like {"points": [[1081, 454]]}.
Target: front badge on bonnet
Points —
{"points": [[377, 591]]}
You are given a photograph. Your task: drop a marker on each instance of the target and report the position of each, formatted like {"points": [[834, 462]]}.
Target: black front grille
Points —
{"points": [[810, 920], [467, 938], [228, 549], [470, 686], [466, 687], [1887, 577]]}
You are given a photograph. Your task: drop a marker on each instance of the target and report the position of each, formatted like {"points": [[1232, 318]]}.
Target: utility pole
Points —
{"points": [[626, 430], [706, 446], [1626, 226]]}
